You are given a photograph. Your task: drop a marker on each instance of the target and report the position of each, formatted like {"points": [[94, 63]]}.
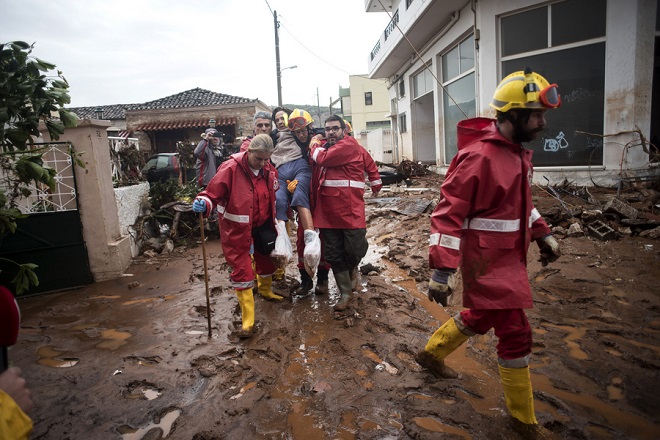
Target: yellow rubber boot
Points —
{"points": [[445, 340], [518, 394], [279, 274], [265, 287], [246, 302]]}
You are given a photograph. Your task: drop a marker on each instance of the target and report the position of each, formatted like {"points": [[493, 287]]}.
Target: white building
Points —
{"points": [[601, 53]]}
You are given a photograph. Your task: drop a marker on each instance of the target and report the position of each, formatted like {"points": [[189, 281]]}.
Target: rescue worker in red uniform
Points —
{"points": [[300, 123], [339, 202], [484, 223], [244, 189]]}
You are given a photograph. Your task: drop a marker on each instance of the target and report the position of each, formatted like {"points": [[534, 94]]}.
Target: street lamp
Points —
{"points": [[279, 82], [98, 112]]}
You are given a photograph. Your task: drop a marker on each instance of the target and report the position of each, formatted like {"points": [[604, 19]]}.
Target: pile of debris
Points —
{"points": [[602, 213]]}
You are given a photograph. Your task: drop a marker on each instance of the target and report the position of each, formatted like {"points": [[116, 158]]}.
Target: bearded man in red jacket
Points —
{"points": [[484, 223], [338, 189]]}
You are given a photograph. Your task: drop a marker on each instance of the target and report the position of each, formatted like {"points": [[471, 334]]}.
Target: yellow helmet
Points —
{"points": [[299, 118], [526, 90], [349, 128]]}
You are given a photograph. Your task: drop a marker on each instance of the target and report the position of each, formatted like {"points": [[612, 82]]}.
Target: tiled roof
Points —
{"points": [[116, 111], [193, 98], [193, 123], [190, 98]]}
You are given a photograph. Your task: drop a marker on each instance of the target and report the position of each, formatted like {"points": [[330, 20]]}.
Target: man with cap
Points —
{"points": [[484, 223], [205, 159]]}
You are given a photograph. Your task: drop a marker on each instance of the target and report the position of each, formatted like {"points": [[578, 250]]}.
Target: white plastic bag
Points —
{"points": [[312, 254], [283, 251]]}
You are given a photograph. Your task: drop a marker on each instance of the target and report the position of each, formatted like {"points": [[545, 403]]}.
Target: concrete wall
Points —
{"points": [[108, 250], [130, 199], [361, 113]]}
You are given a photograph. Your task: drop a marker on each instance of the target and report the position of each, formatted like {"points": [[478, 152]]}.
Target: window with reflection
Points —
{"points": [[568, 47], [459, 91]]}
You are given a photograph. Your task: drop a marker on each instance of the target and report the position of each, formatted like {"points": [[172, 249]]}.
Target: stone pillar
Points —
{"points": [[109, 252]]}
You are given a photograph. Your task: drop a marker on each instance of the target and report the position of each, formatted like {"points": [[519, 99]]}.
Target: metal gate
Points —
{"points": [[51, 236]]}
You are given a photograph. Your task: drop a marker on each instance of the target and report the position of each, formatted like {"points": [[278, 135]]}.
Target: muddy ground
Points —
{"points": [[131, 358]]}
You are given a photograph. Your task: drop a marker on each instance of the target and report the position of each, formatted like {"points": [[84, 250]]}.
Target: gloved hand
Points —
{"points": [[439, 288], [291, 185], [316, 140], [549, 249], [199, 205]]}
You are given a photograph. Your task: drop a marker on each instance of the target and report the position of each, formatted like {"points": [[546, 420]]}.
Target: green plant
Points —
{"points": [[28, 96]]}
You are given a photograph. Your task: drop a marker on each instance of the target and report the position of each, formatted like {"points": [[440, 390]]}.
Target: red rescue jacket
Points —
{"points": [[485, 219], [231, 190], [338, 186]]}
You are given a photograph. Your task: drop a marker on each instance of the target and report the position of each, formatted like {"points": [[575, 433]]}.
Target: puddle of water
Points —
{"points": [[114, 339], [432, 424], [243, 390], [302, 424], [165, 424], [195, 332], [151, 394], [138, 301], [574, 333], [50, 357], [630, 424]]}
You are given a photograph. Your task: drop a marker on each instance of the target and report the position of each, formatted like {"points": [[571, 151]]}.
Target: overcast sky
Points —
{"points": [[125, 52]]}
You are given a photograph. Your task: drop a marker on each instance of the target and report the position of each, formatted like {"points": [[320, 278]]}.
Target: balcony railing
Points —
{"points": [[392, 24], [375, 50]]}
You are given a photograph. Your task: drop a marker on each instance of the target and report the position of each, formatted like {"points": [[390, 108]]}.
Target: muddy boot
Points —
{"points": [[435, 366], [356, 283], [322, 282], [344, 285], [306, 284], [520, 400], [246, 302], [265, 285], [445, 340]]}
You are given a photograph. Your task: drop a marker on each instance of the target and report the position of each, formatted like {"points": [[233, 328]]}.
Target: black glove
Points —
{"points": [[439, 288], [549, 249]]}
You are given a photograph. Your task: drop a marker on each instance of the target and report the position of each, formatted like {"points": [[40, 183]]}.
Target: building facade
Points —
{"points": [[443, 60]]}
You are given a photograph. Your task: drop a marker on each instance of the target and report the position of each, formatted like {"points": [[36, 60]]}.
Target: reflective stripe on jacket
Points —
{"points": [[485, 220], [231, 190], [339, 190]]}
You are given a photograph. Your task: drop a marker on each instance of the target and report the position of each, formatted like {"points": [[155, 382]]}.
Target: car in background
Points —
{"points": [[162, 167]]}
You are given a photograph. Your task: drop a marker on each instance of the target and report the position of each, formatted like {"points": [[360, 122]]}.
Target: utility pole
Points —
{"points": [[318, 106], [277, 60]]}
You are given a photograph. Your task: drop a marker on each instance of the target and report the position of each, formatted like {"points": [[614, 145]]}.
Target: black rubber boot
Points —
{"points": [[321, 282], [306, 284]]}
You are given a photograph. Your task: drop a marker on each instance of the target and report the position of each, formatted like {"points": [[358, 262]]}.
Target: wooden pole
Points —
{"points": [[206, 273]]}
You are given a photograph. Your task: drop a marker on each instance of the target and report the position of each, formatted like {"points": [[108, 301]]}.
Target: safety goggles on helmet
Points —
{"points": [[549, 97], [297, 122]]}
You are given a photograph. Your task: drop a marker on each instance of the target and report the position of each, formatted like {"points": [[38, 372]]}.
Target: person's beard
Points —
{"points": [[521, 132]]}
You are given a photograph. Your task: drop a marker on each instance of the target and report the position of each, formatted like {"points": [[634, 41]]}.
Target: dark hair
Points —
{"points": [[280, 109], [338, 119], [515, 115]]}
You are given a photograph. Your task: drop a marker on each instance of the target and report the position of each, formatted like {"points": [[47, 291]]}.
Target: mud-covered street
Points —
{"points": [[131, 358]]}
